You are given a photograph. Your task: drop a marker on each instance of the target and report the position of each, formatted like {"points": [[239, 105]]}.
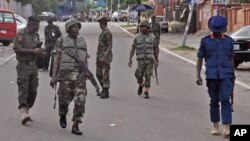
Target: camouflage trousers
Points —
{"points": [[144, 72], [157, 41], [48, 49], [27, 82], [72, 90], [102, 74]]}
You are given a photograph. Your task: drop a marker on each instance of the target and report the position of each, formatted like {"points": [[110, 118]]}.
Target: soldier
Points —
{"points": [[156, 30], [52, 33], [104, 57], [27, 46], [217, 50], [66, 70], [146, 52]]}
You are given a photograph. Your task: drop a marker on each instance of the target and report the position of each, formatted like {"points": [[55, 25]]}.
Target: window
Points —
{"points": [[6, 18]]}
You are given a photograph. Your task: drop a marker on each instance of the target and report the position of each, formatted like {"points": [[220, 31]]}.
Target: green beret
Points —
{"points": [[33, 19]]}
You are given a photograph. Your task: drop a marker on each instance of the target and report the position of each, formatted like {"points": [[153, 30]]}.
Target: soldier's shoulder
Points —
{"points": [[206, 37], [138, 35], [107, 31]]}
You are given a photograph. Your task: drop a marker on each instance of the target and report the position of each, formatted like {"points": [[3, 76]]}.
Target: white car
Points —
{"points": [[20, 22]]}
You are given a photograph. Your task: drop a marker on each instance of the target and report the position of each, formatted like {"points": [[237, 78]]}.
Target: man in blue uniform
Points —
{"points": [[217, 50]]}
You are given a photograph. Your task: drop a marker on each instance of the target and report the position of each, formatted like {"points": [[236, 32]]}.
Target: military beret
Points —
{"points": [[103, 19], [33, 19]]}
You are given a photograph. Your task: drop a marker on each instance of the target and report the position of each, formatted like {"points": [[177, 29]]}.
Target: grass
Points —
{"points": [[183, 48]]}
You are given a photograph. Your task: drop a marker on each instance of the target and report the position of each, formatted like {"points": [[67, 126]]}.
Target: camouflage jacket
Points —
{"points": [[105, 39], [52, 33], [26, 40]]}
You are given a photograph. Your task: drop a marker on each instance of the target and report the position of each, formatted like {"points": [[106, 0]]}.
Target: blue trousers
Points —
{"points": [[220, 90]]}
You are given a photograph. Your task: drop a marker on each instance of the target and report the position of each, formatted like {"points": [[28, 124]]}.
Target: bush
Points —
{"points": [[175, 26]]}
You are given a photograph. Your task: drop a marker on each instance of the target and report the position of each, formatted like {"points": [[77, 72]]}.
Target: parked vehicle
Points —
{"points": [[45, 15], [163, 23], [7, 27], [241, 45], [121, 16], [20, 22]]}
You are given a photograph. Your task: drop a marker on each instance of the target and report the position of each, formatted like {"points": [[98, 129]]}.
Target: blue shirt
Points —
{"points": [[217, 54]]}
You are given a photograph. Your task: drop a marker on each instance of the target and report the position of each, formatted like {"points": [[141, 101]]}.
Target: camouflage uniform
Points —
{"points": [[156, 30], [69, 88], [144, 45], [52, 33], [27, 72], [103, 68]]}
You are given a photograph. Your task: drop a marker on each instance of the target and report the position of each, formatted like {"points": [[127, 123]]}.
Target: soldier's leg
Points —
{"points": [[213, 91], [139, 73], [23, 85], [65, 96], [99, 73], [148, 74], [106, 75], [34, 82], [23, 91], [48, 50], [79, 109], [226, 88]]}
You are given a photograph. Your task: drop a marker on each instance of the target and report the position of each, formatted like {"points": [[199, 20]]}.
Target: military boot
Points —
{"points": [[146, 95], [105, 93], [75, 128], [216, 129], [226, 130], [63, 121], [140, 90], [24, 115]]}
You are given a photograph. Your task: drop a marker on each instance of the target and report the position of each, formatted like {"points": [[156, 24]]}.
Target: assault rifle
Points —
{"points": [[85, 71]]}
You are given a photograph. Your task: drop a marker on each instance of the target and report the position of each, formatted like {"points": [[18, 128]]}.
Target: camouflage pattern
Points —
{"points": [[69, 88], [144, 45], [156, 30], [27, 72], [144, 70], [103, 68], [72, 90], [52, 33], [71, 22]]}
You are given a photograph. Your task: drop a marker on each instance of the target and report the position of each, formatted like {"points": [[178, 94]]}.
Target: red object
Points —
{"points": [[7, 27]]}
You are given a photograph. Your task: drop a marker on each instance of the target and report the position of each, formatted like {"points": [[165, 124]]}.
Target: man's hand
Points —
{"points": [[53, 82], [199, 81], [130, 63], [38, 51]]}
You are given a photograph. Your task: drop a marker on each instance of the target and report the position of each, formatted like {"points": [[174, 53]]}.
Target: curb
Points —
{"points": [[244, 85]]}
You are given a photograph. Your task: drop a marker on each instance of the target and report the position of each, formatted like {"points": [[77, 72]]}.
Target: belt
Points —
{"points": [[31, 63]]}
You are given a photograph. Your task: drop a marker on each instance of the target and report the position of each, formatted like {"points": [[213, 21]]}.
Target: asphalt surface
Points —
{"points": [[177, 110]]}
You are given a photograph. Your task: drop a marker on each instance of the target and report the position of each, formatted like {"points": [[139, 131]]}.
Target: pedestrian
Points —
{"points": [[27, 46], [156, 30], [217, 50], [146, 56], [104, 57], [66, 71], [52, 33]]}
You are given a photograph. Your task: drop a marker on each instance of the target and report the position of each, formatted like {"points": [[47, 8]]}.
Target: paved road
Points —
{"points": [[176, 111]]}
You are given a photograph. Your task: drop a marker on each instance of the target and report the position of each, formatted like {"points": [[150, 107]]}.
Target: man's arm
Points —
{"points": [[198, 71], [132, 52]]}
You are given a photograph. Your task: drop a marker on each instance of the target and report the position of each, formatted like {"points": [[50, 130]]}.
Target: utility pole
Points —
{"points": [[188, 23], [111, 10], [139, 16]]}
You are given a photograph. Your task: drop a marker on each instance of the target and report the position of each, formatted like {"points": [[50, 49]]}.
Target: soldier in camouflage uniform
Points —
{"points": [[156, 30], [52, 33], [66, 71], [104, 58], [26, 49], [146, 56]]}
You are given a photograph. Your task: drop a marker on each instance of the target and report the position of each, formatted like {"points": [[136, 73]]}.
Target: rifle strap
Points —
{"points": [[55, 97]]}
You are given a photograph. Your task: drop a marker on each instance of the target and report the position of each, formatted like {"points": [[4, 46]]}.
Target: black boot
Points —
{"points": [[75, 129], [63, 121], [105, 93], [140, 90], [146, 95], [99, 94]]}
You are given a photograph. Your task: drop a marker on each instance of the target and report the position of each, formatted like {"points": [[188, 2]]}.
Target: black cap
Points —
{"points": [[33, 19], [103, 19]]}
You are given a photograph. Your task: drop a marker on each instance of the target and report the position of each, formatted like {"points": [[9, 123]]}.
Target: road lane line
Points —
{"points": [[183, 58]]}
